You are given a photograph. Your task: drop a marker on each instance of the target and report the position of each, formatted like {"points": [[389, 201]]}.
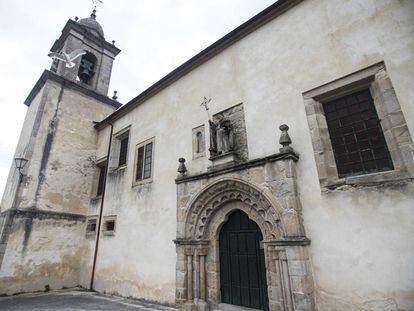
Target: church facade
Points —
{"points": [[273, 170]]}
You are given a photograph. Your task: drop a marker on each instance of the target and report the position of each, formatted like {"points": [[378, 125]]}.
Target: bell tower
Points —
{"points": [[48, 199], [93, 69]]}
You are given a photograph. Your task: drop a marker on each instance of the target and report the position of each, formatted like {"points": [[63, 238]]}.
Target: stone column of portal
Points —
{"points": [[190, 278], [190, 286], [202, 277], [202, 305], [181, 277]]}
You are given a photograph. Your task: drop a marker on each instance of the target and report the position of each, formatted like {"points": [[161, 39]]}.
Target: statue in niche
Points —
{"points": [[221, 133], [221, 136]]}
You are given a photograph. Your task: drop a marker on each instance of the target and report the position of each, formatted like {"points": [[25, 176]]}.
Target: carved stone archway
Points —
{"points": [[208, 206], [267, 194]]}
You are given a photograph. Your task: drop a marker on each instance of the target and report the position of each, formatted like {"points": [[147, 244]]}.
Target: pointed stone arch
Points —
{"points": [[205, 210]]}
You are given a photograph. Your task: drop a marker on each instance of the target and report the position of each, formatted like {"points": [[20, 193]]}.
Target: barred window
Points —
{"points": [[109, 225], [91, 225], [356, 135]]}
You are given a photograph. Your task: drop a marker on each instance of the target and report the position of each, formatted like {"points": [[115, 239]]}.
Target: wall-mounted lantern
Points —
{"points": [[20, 164]]}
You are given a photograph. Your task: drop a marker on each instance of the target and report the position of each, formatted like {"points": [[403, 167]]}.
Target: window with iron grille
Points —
{"points": [[143, 170], [109, 225], [123, 151], [356, 135], [101, 178], [92, 224]]}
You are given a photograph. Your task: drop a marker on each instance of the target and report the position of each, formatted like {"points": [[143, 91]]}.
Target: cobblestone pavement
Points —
{"points": [[75, 300]]}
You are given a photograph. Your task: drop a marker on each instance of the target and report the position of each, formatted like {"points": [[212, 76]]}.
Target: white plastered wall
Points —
{"points": [[361, 238]]}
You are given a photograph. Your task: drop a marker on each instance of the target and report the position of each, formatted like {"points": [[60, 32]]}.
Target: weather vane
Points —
{"points": [[205, 105], [95, 3]]}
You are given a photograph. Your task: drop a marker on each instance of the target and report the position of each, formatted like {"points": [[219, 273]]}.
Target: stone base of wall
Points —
{"points": [[43, 251]]}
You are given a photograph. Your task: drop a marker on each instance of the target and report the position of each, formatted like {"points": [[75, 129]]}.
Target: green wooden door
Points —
{"points": [[242, 264]]}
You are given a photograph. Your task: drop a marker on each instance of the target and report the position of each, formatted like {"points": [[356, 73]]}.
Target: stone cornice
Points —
{"points": [[289, 241], [286, 241], [86, 33], [49, 75], [245, 165], [42, 214], [191, 242]]}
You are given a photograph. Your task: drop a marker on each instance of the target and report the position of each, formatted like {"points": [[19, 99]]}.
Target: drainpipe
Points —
{"points": [[95, 255]]}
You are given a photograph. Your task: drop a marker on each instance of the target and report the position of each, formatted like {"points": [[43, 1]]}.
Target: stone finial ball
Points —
{"points": [[283, 127], [181, 160]]}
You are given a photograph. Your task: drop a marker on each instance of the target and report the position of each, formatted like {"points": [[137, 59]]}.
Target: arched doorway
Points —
{"points": [[242, 263], [201, 228]]}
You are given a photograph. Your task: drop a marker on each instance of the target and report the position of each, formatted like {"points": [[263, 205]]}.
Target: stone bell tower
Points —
{"points": [[45, 203], [92, 70]]}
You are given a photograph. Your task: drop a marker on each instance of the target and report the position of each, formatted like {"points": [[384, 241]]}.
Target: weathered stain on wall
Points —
{"points": [[361, 253], [51, 257], [58, 181], [355, 233]]}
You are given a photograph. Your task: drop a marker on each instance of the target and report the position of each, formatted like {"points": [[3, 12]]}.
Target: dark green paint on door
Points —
{"points": [[242, 264]]}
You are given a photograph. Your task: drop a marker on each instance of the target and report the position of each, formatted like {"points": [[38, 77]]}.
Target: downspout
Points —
{"points": [[95, 255]]}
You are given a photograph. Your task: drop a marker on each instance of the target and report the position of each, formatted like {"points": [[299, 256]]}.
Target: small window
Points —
{"points": [[144, 161], [119, 150], [198, 142], [123, 152], [356, 135], [109, 225], [91, 225], [101, 178]]}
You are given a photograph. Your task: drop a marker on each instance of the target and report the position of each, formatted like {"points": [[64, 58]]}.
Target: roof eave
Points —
{"points": [[49, 75], [70, 24], [237, 34]]}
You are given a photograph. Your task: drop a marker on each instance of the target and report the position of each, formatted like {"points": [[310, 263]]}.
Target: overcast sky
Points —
{"points": [[155, 37]]}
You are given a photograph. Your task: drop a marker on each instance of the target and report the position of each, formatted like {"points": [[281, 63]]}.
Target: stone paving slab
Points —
{"points": [[74, 300]]}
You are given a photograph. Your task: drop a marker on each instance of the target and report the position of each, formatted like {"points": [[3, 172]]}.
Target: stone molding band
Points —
{"points": [[246, 165], [42, 214]]}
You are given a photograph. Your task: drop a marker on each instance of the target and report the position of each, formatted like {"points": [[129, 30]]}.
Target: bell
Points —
{"points": [[85, 70], [85, 75]]}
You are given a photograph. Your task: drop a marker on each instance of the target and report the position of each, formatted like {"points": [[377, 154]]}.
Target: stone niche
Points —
{"points": [[239, 153], [265, 189]]}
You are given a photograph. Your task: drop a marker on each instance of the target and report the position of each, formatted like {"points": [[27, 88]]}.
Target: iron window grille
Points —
{"points": [[356, 135]]}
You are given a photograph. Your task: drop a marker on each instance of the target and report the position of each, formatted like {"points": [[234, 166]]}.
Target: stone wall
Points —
{"points": [[54, 194], [44, 252], [266, 191]]}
